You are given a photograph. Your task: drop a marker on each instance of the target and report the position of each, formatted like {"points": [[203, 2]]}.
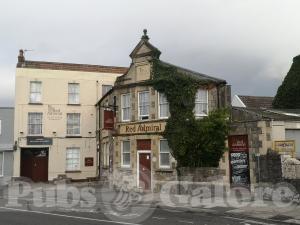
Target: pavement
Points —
{"points": [[106, 206]]}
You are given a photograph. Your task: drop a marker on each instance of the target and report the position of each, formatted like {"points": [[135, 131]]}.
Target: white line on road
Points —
{"points": [[185, 221], [158, 218], [66, 216]]}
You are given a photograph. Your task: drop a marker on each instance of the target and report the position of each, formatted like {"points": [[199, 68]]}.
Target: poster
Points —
{"points": [[239, 160]]}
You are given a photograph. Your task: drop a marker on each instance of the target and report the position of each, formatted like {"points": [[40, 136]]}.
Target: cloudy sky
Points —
{"points": [[250, 43]]}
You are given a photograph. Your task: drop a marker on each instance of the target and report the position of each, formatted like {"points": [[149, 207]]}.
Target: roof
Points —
{"points": [[256, 101], [194, 74], [71, 67], [271, 114]]}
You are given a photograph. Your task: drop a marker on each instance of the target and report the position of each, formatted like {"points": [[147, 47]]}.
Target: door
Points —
{"points": [[145, 171], [34, 164]]}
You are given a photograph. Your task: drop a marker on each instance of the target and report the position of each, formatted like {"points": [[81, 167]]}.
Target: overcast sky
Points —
{"points": [[250, 43]]}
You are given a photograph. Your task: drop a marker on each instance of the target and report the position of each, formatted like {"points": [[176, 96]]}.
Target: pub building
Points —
{"points": [[132, 117]]}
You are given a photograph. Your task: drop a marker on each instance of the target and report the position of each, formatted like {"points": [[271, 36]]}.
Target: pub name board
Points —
{"points": [[140, 128]]}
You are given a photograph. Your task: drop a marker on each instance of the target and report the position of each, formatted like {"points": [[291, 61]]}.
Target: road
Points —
{"points": [[17, 216]]}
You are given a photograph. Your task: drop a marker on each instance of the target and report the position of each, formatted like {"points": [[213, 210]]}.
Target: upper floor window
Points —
{"points": [[73, 159], [164, 154], [201, 103], [105, 88], [125, 160], [35, 92], [125, 103], [73, 93], [144, 105], [73, 123], [163, 106], [35, 123]]}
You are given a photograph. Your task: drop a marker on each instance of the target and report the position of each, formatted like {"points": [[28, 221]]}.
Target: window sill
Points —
{"points": [[73, 171], [125, 168], [73, 136], [35, 103], [76, 104], [167, 170]]}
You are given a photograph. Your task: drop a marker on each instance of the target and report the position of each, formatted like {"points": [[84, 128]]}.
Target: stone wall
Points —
{"points": [[269, 168]]}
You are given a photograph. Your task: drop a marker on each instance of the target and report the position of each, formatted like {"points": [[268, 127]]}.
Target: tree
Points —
{"points": [[288, 93], [194, 142]]}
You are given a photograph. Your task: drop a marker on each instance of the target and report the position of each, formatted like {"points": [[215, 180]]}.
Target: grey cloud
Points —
{"points": [[248, 43]]}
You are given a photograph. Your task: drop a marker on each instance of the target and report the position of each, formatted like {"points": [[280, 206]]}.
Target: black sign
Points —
{"points": [[239, 168], [239, 160], [39, 141]]}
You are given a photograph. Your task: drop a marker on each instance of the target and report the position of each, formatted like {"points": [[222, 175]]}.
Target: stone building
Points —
{"points": [[6, 143], [267, 130], [133, 116], [55, 118]]}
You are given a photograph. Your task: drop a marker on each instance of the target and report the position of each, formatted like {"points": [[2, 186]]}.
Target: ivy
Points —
{"points": [[194, 142]]}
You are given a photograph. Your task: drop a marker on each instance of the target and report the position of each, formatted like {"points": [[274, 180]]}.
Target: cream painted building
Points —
{"points": [[55, 118]]}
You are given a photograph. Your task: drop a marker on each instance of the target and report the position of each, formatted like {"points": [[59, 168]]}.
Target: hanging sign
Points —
{"points": [[108, 120]]}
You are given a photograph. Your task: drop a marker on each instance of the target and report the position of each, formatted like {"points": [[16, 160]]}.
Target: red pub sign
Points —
{"points": [[108, 120]]}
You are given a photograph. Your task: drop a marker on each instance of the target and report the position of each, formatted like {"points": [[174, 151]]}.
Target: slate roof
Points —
{"points": [[257, 101], [271, 114], [195, 74]]}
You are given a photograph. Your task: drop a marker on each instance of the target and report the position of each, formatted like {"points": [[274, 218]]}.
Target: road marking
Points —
{"points": [[66, 216], [185, 221], [159, 218]]}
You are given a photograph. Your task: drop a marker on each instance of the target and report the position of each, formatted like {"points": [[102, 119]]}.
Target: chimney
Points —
{"points": [[21, 58]]}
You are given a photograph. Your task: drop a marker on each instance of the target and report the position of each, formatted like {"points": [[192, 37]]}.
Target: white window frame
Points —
{"points": [[200, 102], [159, 107], [122, 151], [122, 108], [72, 134], [105, 87], [2, 169], [106, 154], [164, 166], [28, 124], [139, 111], [73, 94], [79, 158], [30, 92]]}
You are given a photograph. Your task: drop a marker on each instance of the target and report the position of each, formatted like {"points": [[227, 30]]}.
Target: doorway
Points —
{"points": [[144, 170], [34, 164]]}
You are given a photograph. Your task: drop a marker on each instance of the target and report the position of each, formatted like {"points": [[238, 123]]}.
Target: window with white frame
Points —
{"points": [[73, 123], [35, 92], [1, 163], [201, 103], [73, 93], [35, 123], [164, 154], [125, 154], [144, 105], [73, 159], [125, 103], [105, 88], [163, 106]]}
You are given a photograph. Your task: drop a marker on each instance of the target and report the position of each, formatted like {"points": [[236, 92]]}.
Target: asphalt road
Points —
{"points": [[16, 216]]}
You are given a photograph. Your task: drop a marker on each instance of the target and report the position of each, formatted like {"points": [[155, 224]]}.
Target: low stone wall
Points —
{"points": [[290, 168]]}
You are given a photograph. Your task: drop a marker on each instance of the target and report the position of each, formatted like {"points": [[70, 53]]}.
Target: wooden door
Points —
{"points": [[145, 171], [40, 169]]}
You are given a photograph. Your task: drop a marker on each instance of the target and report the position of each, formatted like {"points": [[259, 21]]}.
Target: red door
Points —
{"points": [[145, 171]]}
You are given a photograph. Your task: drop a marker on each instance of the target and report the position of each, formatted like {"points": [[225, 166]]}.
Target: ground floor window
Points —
{"points": [[1, 163], [125, 156], [164, 154], [73, 159]]}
